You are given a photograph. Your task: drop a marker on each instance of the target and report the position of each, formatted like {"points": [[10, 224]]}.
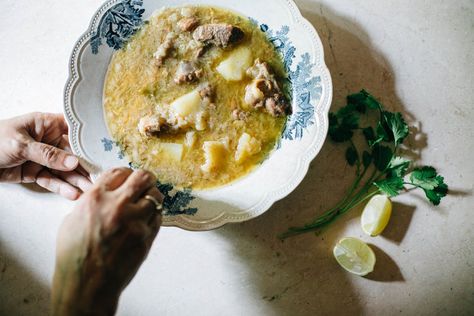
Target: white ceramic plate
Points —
{"points": [[249, 196]]}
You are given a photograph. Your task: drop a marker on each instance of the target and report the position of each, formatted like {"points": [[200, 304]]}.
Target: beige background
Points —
{"points": [[416, 56]]}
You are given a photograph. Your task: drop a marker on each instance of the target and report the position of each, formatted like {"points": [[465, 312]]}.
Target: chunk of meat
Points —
{"points": [[165, 48], [221, 35], [254, 92], [151, 125], [207, 93], [188, 24], [264, 92], [276, 105], [260, 70], [187, 72], [201, 50]]}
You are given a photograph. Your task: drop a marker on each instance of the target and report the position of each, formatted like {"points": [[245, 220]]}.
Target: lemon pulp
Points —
{"points": [[376, 215], [355, 256]]}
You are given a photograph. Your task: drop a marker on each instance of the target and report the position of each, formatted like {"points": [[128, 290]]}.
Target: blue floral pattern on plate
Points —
{"points": [[118, 24], [177, 203], [306, 87], [109, 145]]}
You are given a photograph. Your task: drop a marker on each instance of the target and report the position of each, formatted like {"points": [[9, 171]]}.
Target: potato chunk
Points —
{"points": [[186, 104], [247, 147], [234, 67], [172, 151], [215, 153], [190, 139]]}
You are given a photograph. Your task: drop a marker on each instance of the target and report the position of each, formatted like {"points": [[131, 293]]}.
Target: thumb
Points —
{"points": [[50, 156]]}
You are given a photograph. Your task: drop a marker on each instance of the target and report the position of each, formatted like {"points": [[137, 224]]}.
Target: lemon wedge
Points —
{"points": [[355, 256], [376, 215]]}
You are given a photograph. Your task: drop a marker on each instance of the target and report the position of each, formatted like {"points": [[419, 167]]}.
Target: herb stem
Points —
{"points": [[347, 196], [358, 157], [335, 212]]}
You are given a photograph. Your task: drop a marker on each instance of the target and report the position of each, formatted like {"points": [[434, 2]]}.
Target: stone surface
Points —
{"points": [[417, 56]]}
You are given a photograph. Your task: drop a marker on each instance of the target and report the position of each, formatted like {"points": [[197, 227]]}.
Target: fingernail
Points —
{"points": [[71, 194], [70, 162]]}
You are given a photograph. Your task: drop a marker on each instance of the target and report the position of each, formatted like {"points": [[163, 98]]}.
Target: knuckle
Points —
{"points": [[115, 172], [134, 187], [129, 189], [50, 154], [94, 194], [18, 146], [118, 170], [144, 175]]}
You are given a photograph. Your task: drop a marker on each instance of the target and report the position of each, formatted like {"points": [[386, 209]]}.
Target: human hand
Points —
{"points": [[103, 242], [33, 148]]}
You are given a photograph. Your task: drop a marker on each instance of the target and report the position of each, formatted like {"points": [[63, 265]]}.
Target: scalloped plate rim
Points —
{"points": [[321, 116]]}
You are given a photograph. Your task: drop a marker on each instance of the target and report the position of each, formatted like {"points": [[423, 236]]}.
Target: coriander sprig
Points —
{"points": [[379, 166]]}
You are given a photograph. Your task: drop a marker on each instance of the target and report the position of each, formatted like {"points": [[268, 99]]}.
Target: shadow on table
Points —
{"points": [[21, 293], [299, 276], [386, 269], [399, 222]]}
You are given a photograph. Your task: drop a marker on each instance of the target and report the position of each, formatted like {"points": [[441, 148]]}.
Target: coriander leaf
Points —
{"points": [[369, 134], [424, 177], [363, 100], [397, 125], [347, 110], [366, 158], [351, 121], [348, 116], [351, 156], [382, 155], [358, 101], [370, 101], [382, 135], [337, 132], [390, 186], [340, 128], [332, 120], [340, 134], [437, 193], [432, 184], [356, 98], [398, 166], [382, 132]]}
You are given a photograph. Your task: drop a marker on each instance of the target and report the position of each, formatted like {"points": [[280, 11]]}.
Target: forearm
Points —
{"points": [[75, 296]]}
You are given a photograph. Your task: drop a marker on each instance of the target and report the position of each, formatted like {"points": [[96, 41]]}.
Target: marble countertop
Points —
{"points": [[416, 56]]}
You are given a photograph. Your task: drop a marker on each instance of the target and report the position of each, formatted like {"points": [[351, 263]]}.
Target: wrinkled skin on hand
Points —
{"points": [[103, 242], [34, 148]]}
